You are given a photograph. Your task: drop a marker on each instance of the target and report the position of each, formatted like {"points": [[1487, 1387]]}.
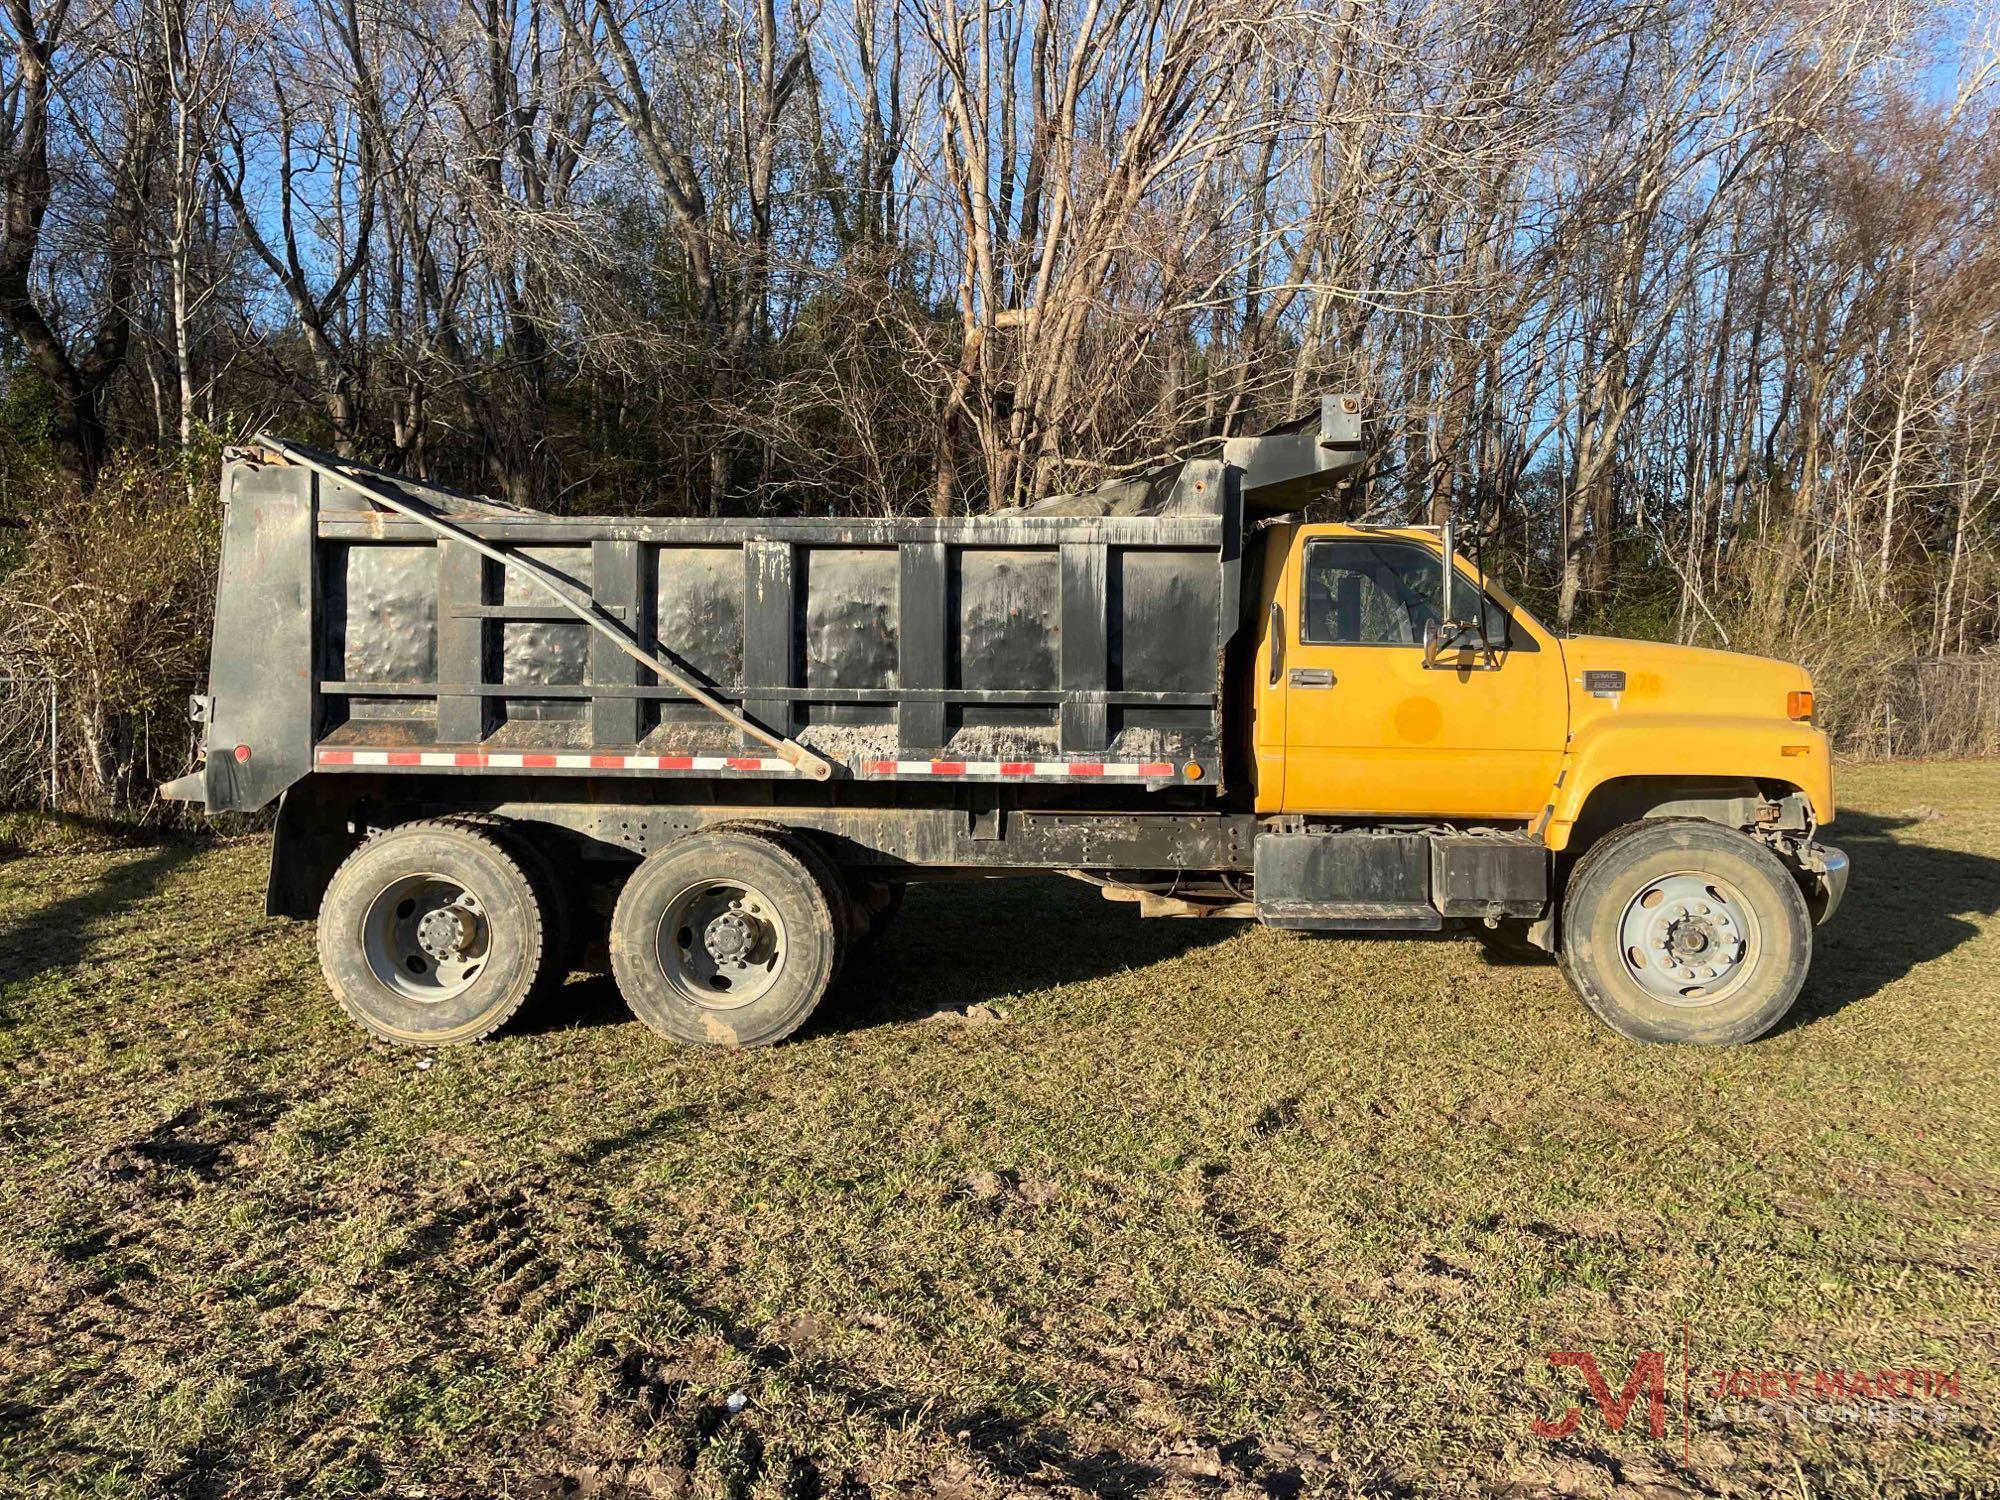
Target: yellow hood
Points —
{"points": [[1661, 678], [1684, 711]]}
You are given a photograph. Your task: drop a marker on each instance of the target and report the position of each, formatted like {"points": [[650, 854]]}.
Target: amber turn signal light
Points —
{"points": [[1799, 705]]}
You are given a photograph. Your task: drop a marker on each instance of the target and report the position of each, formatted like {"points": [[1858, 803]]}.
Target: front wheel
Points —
{"points": [[1683, 931]]}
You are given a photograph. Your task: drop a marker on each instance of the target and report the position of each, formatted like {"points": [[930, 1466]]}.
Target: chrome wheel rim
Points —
{"points": [[721, 943], [426, 937], [1689, 939]]}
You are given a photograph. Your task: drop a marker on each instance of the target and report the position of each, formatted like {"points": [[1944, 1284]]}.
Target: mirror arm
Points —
{"points": [[1451, 631]]}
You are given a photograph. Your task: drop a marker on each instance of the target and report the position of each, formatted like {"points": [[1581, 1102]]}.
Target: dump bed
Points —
{"points": [[1026, 646]]}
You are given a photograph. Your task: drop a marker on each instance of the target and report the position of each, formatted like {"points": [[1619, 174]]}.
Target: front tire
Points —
{"points": [[1682, 931], [727, 938], [431, 934]]}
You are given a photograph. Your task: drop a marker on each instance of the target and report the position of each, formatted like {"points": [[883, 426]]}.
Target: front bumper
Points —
{"points": [[1824, 871]]}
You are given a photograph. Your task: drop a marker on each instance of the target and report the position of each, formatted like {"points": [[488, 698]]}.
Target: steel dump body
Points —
{"points": [[1015, 648]]}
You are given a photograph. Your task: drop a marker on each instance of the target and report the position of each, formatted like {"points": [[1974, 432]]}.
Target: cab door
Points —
{"points": [[1369, 729]]}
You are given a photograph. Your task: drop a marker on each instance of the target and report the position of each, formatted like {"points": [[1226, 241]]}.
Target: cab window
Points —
{"points": [[1368, 593]]}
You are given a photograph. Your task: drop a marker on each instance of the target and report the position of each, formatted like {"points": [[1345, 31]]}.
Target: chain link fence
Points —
{"points": [[55, 757], [1926, 706]]}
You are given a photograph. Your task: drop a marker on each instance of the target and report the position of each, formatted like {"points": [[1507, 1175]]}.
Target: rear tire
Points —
{"points": [[806, 849], [431, 934], [878, 902], [727, 938], [847, 918], [561, 922], [1677, 930]]}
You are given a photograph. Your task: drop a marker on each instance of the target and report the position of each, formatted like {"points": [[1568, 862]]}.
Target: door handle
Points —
{"points": [[1277, 642], [1312, 677]]}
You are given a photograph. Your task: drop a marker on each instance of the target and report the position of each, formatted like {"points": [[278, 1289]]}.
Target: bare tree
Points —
{"points": [[120, 162]]}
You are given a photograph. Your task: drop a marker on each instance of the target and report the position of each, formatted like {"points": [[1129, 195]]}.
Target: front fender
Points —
{"points": [[1700, 746]]}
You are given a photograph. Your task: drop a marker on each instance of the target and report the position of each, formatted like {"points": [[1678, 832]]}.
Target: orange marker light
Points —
{"points": [[1795, 750], [1799, 705], [1193, 770]]}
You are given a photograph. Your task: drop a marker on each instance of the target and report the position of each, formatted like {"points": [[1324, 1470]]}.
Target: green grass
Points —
{"points": [[1210, 1211]]}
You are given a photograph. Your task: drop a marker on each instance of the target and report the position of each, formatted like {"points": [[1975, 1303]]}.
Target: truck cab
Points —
{"points": [[1382, 698], [1353, 718]]}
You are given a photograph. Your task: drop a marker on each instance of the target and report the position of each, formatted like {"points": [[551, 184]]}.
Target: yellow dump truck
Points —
{"points": [[718, 749]]}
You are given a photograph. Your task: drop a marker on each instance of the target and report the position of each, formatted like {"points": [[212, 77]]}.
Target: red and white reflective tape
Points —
{"points": [[585, 760], [531, 760], [1148, 770]]}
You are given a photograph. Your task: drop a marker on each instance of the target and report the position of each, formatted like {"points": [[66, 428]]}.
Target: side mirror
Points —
{"points": [[1464, 641], [1458, 646]]}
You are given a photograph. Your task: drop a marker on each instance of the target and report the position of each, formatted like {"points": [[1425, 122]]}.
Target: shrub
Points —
{"points": [[110, 599]]}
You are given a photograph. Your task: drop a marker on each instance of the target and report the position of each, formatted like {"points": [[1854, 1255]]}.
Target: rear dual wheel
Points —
{"points": [[729, 938], [436, 933], [433, 934]]}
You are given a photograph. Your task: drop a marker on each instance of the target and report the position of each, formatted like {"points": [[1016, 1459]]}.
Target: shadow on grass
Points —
{"points": [[961, 943], [585, 1001], [61, 934], [1907, 904], [956, 944]]}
